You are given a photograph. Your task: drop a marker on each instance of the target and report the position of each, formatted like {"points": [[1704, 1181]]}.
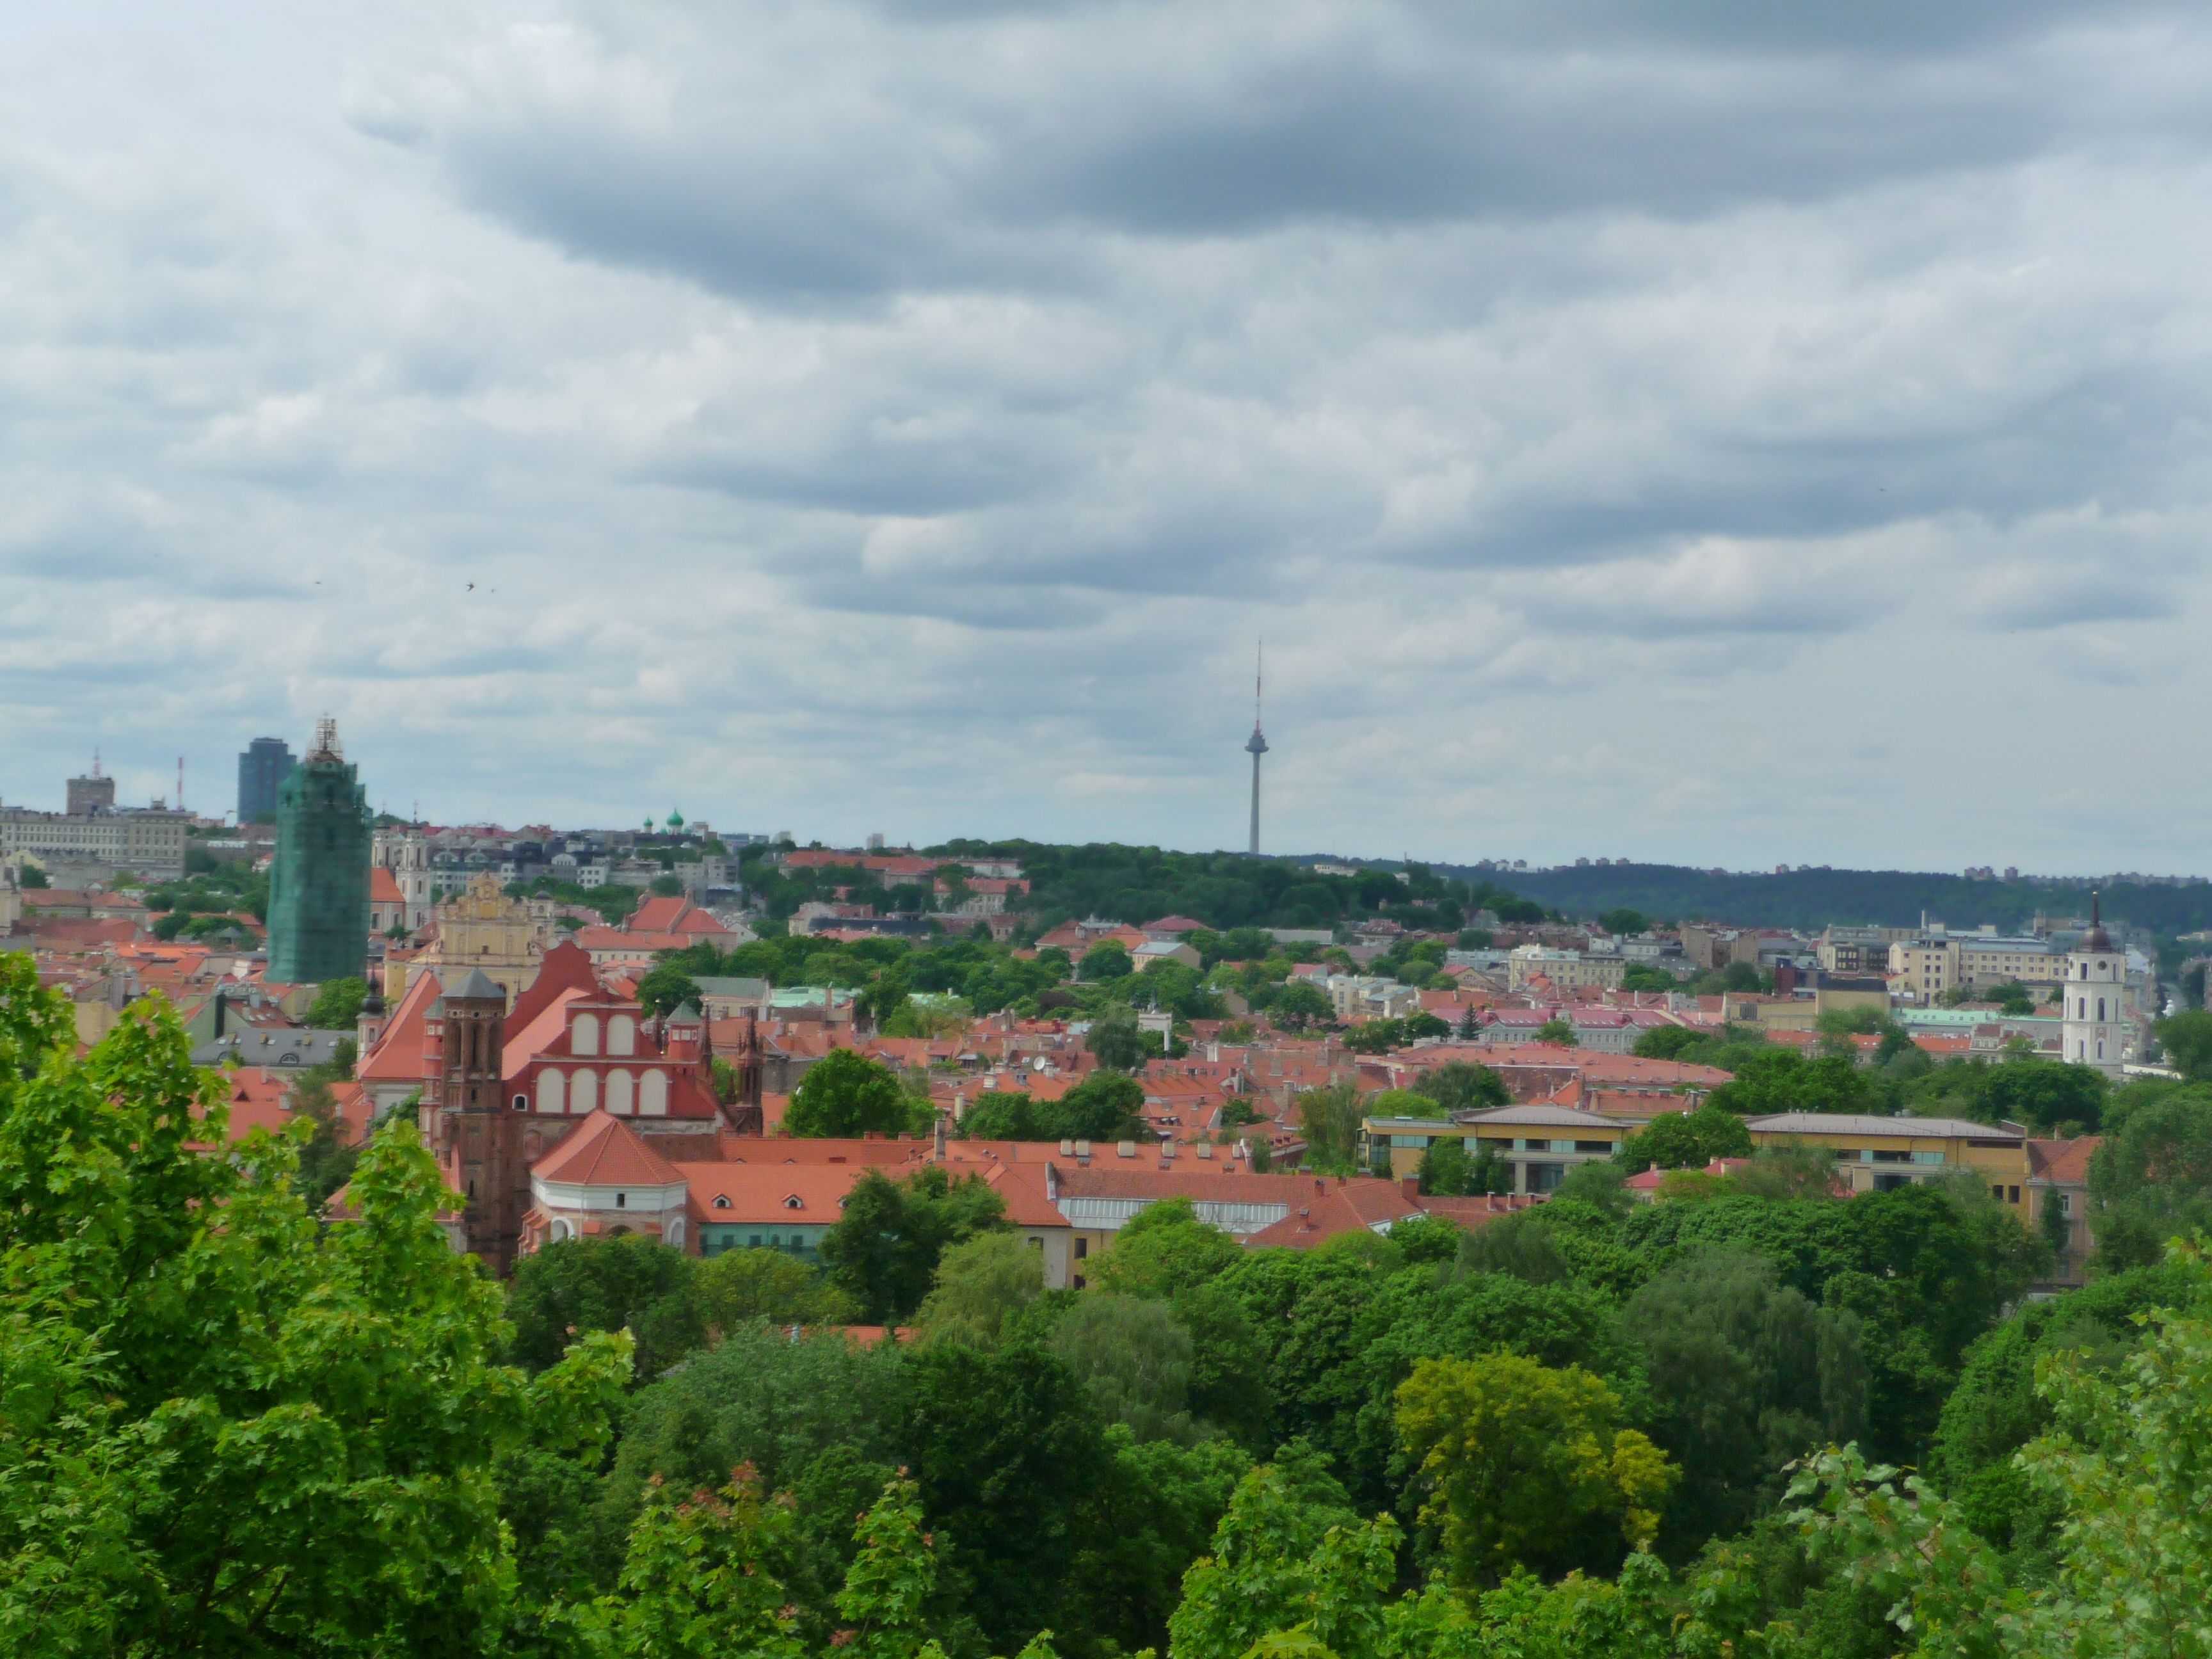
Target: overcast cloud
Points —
{"points": [[1718, 432]]}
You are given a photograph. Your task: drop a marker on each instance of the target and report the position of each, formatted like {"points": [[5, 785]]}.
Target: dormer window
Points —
{"points": [[722, 1200], [794, 1201]]}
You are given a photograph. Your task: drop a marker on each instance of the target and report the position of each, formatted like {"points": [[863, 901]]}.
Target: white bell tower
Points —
{"points": [[2096, 990]]}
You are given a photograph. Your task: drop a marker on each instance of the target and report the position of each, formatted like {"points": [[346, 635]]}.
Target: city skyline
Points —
{"points": [[1762, 443]]}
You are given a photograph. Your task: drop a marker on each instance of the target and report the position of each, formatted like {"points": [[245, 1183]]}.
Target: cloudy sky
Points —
{"points": [[1717, 432]]}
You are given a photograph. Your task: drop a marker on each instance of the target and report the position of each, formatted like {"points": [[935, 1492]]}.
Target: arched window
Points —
{"points": [[552, 1092], [583, 1093], [522, 1103], [621, 1093], [584, 1035], [621, 1034], [653, 1095], [2100, 1007], [673, 1232]]}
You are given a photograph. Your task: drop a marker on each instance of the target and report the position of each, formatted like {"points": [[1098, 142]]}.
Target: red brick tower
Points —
{"points": [[476, 1133]]}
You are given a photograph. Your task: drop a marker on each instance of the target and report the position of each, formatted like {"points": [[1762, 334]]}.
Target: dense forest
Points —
{"points": [[1593, 1429], [1811, 899]]}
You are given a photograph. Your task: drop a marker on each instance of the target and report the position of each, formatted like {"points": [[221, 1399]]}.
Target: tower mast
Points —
{"points": [[1257, 745]]}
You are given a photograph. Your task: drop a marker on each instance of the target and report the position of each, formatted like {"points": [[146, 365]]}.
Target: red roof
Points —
{"points": [[605, 1151], [398, 1056], [383, 887]]}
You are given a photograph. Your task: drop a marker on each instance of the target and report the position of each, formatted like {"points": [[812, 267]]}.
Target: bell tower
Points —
{"points": [[477, 1135], [2094, 1027]]}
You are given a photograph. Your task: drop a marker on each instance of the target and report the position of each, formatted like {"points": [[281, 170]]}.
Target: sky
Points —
{"points": [[1719, 433]]}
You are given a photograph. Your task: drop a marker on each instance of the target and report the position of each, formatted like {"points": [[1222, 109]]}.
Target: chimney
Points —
{"points": [[939, 1147], [1411, 1186]]}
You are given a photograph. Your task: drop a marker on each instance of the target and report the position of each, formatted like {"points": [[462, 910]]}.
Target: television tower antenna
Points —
{"points": [[1257, 745], [180, 783]]}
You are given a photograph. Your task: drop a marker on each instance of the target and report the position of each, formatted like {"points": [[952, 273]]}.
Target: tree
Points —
{"points": [[1421, 1024], [1330, 1119], [1684, 1140], [1375, 1037], [2187, 1039], [1625, 922], [1460, 1086], [1299, 1004], [982, 1283], [1165, 1249], [1104, 960], [695, 1584], [1135, 1358], [738, 1287], [227, 1428], [1525, 1465], [1556, 1030], [2152, 1179], [336, 1007], [1745, 1376], [1405, 1103], [847, 1094], [1288, 1556], [884, 1251], [32, 877], [628, 1283], [1117, 1043], [1446, 1169], [1107, 1106], [666, 886], [666, 987]]}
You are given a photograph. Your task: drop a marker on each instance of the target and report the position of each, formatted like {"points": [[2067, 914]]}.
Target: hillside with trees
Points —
{"points": [[1808, 898]]}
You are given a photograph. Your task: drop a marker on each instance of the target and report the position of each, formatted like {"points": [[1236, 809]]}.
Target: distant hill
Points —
{"points": [[1813, 898]]}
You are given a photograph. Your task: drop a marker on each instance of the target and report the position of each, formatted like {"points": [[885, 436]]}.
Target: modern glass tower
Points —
{"points": [[265, 763], [319, 888]]}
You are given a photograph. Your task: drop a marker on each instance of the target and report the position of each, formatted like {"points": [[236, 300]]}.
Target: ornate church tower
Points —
{"points": [[318, 886], [2096, 988], [477, 1135]]}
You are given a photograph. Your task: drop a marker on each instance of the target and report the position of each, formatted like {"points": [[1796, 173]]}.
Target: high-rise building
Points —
{"points": [[267, 763], [319, 887], [91, 793]]}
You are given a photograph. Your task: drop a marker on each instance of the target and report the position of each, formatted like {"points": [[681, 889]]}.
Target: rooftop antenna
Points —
{"points": [[180, 783], [1257, 744], [95, 760]]}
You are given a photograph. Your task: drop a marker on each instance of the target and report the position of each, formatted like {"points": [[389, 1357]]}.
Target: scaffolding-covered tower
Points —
{"points": [[319, 888]]}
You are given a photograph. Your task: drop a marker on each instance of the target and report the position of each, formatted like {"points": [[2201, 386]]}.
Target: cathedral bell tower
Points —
{"points": [[2095, 1025], [476, 1133]]}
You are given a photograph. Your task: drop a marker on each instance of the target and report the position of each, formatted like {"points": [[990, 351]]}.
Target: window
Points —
{"points": [[722, 1200], [1600, 1146], [1997, 1191], [754, 1242], [1081, 1249], [2066, 1204], [2015, 1197], [522, 1103], [622, 1200], [794, 1201]]}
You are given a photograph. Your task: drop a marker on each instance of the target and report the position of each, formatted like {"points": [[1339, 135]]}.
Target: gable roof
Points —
{"points": [[605, 1152], [564, 968], [398, 1056], [476, 986]]}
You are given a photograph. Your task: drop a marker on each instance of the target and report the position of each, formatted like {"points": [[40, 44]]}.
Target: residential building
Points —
{"points": [[1539, 1143], [1989, 957], [1923, 968], [147, 842], [1875, 1154], [1564, 970], [1844, 950]]}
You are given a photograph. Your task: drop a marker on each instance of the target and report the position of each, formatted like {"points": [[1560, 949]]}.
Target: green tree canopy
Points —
{"points": [[848, 1094], [884, 1251], [336, 1007], [666, 987]]}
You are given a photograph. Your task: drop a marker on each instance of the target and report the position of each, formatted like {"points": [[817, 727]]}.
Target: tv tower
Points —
{"points": [[1258, 744]]}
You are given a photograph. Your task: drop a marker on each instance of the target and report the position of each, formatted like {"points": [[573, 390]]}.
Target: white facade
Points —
{"points": [[2096, 995]]}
